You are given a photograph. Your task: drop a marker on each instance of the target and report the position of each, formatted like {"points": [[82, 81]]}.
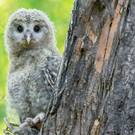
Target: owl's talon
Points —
{"points": [[36, 120], [29, 122], [33, 121]]}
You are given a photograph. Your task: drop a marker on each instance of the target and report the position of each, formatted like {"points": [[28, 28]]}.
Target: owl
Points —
{"points": [[34, 62]]}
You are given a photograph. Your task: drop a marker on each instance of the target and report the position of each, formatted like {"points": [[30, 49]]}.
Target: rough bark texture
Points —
{"points": [[96, 86]]}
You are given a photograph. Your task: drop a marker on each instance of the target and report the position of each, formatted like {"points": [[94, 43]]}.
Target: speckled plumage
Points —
{"points": [[33, 67]]}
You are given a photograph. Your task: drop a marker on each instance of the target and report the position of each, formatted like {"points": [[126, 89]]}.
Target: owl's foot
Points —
{"points": [[30, 122], [34, 122], [12, 129]]}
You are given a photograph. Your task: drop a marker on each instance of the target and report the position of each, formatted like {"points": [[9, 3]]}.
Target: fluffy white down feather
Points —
{"points": [[32, 69]]}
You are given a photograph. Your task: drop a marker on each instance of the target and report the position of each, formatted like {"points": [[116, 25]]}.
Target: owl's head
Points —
{"points": [[28, 29]]}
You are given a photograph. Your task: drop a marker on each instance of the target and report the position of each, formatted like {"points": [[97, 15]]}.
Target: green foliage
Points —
{"points": [[59, 12]]}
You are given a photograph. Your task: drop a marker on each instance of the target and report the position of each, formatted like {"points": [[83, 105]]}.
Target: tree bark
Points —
{"points": [[95, 92]]}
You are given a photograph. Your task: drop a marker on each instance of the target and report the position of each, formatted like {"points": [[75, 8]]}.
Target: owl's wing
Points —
{"points": [[52, 65]]}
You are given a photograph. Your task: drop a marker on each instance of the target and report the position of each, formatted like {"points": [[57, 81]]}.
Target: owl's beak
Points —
{"points": [[28, 38]]}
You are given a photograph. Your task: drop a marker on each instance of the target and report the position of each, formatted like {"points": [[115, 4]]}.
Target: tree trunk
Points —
{"points": [[96, 85]]}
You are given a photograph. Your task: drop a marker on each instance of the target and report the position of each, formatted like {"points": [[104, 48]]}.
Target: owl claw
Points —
{"points": [[32, 123], [36, 120], [27, 123], [12, 129]]}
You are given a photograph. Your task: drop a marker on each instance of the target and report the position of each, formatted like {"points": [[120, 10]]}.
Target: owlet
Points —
{"points": [[34, 62]]}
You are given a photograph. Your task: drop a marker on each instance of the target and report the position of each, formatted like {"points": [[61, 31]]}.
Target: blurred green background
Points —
{"points": [[59, 12]]}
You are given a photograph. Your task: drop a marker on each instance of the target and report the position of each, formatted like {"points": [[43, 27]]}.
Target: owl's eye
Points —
{"points": [[36, 28], [20, 28]]}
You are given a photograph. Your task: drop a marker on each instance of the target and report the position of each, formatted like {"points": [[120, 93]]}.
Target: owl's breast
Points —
{"points": [[29, 91], [39, 90], [17, 82], [17, 89]]}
